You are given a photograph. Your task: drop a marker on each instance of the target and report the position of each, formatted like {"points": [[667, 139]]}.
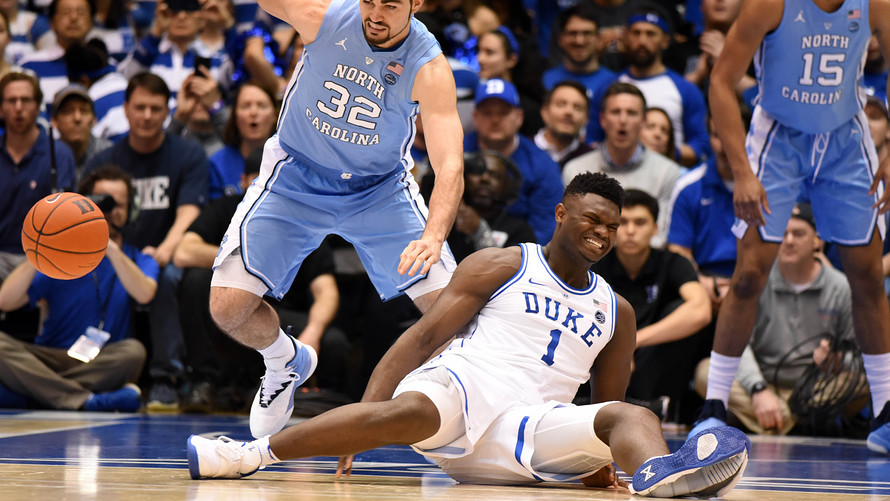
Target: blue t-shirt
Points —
{"points": [[175, 174], [541, 187], [348, 107], [702, 215], [226, 167], [27, 182], [77, 304], [596, 84]]}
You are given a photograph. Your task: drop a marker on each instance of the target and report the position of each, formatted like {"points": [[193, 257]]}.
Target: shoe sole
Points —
{"points": [[876, 447], [194, 469], [714, 461]]}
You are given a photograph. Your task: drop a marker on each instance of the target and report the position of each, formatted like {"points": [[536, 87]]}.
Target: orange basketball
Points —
{"points": [[64, 236]]}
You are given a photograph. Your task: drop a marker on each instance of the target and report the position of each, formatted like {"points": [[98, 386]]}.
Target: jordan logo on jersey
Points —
{"points": [[342, 43]]}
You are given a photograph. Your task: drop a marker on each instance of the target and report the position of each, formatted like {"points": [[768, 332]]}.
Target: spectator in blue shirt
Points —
{"points": [[26, 166], [71, 21], [52, 372], [578, 42], [497, 118], [251, 123]]}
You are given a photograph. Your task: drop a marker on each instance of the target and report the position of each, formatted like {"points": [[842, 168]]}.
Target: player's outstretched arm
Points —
{"points": [[304, 15], [610, 373], [471, 286], [434, 90], [756, 19]]}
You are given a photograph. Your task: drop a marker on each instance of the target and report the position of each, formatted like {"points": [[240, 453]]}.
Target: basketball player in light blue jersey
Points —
{"points": [[809, 139], [531, 323], [340, 163]]}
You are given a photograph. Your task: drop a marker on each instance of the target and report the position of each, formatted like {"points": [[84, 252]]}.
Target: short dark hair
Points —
{"points": [[231, 135], [85, 59], [568, 83], [598, 183], [583, 10], [22, 76], [110, 172], [150, 82], [622, 88], [635, 198], [54, 5]]}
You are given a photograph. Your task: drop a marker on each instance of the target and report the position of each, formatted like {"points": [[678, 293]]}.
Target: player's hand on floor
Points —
{"points": [[344, 466], [604, 477], [419, 255]]}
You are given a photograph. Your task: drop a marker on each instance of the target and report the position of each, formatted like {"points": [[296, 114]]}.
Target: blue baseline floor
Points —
{"points": [[791, 464]]}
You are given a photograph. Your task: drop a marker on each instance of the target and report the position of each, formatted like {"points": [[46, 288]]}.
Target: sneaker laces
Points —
{"points": [[274, 382]]}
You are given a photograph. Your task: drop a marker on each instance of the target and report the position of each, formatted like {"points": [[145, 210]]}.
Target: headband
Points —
{"points": [[651, 18]]}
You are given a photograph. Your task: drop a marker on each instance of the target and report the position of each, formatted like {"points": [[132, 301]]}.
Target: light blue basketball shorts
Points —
{"points": [[291, 207], [833, 171]]}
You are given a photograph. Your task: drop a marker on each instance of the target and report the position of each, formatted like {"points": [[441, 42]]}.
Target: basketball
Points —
{"points": [[64, 236]]}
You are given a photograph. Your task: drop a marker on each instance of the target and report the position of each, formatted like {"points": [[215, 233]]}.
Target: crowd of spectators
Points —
{"points": [[171, 100]]}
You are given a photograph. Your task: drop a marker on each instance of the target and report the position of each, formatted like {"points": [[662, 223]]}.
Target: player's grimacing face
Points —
{"points": [[592, 223], [386, 22]]}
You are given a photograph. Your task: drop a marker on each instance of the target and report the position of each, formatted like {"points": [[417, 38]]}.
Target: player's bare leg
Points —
{"points": [[244, 316], [406, 419], [251, 321], [738, 309]]}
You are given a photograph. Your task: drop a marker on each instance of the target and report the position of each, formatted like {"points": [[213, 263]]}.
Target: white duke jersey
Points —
{"points": [[533, 343], [348, 106], [809, 67]]}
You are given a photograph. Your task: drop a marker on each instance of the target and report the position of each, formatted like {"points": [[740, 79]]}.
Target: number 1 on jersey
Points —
{"points": [[551, 348]]}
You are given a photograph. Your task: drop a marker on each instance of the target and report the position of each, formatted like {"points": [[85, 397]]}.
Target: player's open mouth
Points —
{"points": [[598, 244]]}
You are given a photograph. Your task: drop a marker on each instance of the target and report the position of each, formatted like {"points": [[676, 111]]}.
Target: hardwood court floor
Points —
{"points": [[50, 455]]}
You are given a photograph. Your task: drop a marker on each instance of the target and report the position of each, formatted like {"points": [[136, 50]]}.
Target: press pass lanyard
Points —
{"points": [[99, 298]]}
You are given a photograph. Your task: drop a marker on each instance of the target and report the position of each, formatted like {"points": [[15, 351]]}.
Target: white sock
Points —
{"points": [[877, 369], [267, 457], [720, 375], [279, 353]]}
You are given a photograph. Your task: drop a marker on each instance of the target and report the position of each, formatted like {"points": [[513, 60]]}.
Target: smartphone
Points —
{"points": [[199, 62]]}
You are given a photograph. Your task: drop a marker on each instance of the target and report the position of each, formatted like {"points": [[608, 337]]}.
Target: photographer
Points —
{"points": [[58, 370]]}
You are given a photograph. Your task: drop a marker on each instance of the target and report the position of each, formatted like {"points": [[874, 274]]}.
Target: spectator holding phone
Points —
{"points": [[169, 49], [200, 114]]}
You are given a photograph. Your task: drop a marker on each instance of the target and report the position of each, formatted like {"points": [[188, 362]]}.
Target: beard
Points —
{"points": [[642, 58], [385, 37]]}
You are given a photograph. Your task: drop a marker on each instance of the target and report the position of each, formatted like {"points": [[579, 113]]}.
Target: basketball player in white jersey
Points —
{"points": [[809, 139], [340, 164], [531, 323]]}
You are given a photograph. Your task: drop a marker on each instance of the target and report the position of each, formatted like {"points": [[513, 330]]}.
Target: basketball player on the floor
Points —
{"points": [[532, 324], [340, 163], [809, 137]]}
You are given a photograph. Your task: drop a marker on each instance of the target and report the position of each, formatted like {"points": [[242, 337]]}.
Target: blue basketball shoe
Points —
{"points": [[274, 401], [223, 457], [712, 414], [707, 465], [879, 438]]}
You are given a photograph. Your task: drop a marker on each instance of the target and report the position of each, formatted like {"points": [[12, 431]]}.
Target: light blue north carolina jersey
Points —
{"points": [[808, 68], [348, 106]]}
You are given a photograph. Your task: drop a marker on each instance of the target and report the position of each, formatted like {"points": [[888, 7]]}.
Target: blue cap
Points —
{"points": [[497, 88]]}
